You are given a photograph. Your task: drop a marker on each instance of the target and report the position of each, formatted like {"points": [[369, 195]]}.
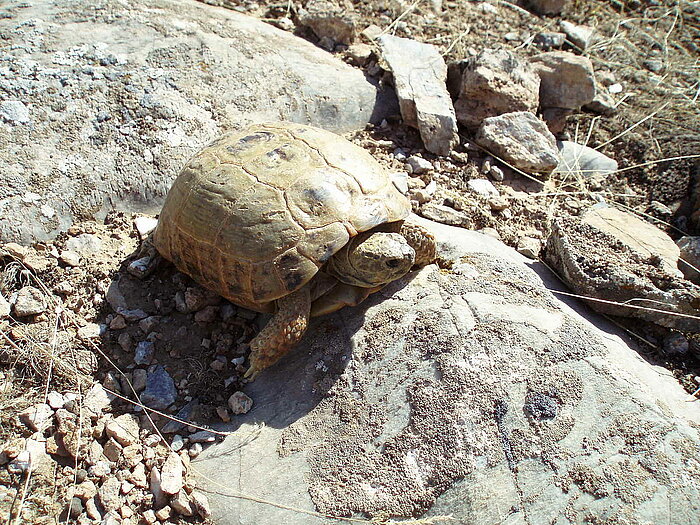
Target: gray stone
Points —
{"points": [[580, 36], [137, 108], [70, 258], [483, 187], [689, 257], [171, 474], [37, 417], [159, 497], [521, 139], [603, 103], [124, 428], [442, 214], [567, 80], [418, 164], [578, 161], [492, 83], [108, 493], [138, 381], [90, 331], [472, 393], [620, 280], [240, 403], [547, 7], [328, 20], [548, 40], [143, 355], [200, 502], [636, 234], [184, 414], [97, 399], [419, 76], [14, 112], [29, 301], [85, 244], [529, 247], [160, 390]]}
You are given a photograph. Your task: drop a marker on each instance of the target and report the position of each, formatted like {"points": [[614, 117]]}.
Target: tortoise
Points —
{"points": [[292, 220]]}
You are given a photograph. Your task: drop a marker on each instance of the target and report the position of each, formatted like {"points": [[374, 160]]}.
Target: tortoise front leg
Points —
{"points": [[282, 332], [422, 241]]}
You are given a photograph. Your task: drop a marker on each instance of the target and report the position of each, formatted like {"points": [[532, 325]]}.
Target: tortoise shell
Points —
{"points": [[255, 215]]}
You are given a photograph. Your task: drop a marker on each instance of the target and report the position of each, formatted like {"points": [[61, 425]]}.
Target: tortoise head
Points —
{"points": [[372, 259]]}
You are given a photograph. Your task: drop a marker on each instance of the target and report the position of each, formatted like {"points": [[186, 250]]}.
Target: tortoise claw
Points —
{"points": [[252, 372]]}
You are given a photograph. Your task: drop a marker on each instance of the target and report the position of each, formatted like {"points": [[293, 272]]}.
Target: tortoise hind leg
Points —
{"points": [[282, 332]]}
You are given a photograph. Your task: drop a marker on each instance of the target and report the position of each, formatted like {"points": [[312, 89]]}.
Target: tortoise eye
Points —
{"points": [[393, 263]]}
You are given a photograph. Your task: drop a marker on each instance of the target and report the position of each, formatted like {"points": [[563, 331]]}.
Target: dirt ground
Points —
{"points": [[650, 48]]}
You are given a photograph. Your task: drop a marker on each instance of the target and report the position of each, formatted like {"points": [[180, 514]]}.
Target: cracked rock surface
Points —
{"points": [[468, 391]]}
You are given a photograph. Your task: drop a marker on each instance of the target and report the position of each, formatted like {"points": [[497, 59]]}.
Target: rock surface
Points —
{"points": [[689, 262], [492, 83], [640, 236], [158, 80], [492, 402], [419, 76], [547, 7], [596, 264], [520, 139], [581, 161], [567, 80]]}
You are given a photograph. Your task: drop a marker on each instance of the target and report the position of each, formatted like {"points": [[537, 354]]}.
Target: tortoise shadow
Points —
{"points": [[295, 385]]}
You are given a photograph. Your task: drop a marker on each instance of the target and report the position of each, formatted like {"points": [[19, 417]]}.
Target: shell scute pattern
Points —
{"points": [[254, 215]]}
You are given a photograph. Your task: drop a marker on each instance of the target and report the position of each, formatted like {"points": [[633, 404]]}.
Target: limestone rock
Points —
{"points": [[581, 161], [171, 475], [419, 76], [37, 417], [567, 80], [124, 428], [492, 83], [137, 107], [29, 301], [328, 20], [580, 36], [470, 392], [597, 264], [521, 139], [442, 214], [640, 236]]}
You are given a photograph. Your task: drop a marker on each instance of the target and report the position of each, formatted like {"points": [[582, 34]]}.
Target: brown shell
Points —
{"points": [[254, 215]]}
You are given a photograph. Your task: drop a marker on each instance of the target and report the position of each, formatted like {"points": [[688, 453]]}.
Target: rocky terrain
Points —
{"points": [[567, 130]]}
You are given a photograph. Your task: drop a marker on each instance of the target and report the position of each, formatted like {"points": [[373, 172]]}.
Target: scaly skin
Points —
{"points": [[288, 325], [422, 241], [282, 332]]}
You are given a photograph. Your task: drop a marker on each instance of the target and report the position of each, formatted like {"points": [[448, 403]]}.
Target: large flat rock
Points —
{"points": [[102, 102], [471, 392]]}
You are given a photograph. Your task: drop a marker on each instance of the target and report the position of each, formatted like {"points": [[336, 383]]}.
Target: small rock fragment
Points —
{"points": [[37, 417], [442, 214], [419, 77], [329, 20], [108, 494], [89, 331], [171, 474], [29, 301], [529, 247], [567, 80], [689, 260], [483, 187], [521, 139], [14, 112], [200, 503], [239, 403], [580, 36], [547, 7], [145, 225], [124, 428], [418, 164], [85, 244], [492, 83], [143, 355], [581, 161], [160, 390], [180, 503]]}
